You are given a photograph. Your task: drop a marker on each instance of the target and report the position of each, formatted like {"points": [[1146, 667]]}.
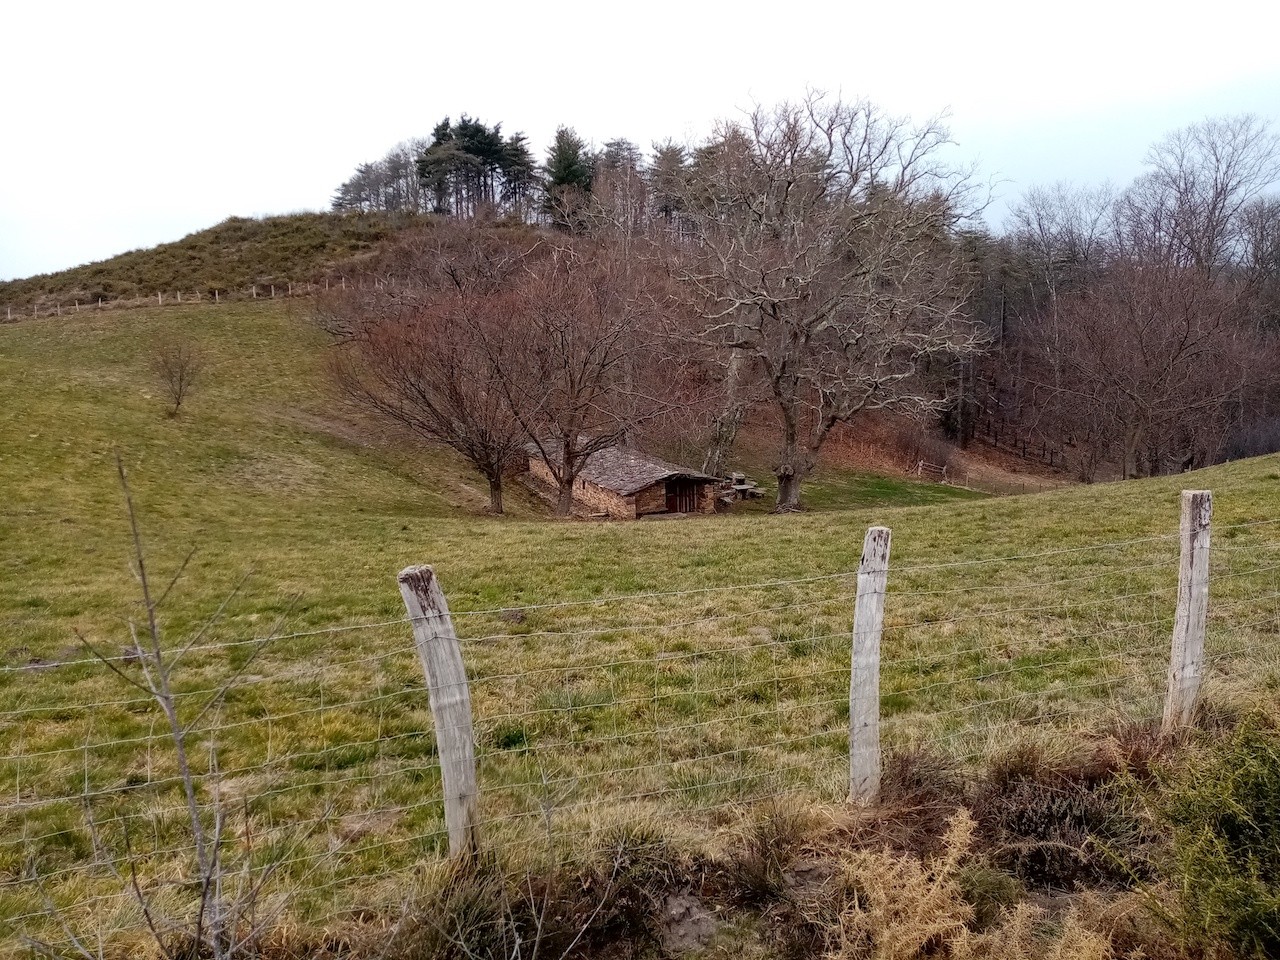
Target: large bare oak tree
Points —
{"points": [[823, 269]]}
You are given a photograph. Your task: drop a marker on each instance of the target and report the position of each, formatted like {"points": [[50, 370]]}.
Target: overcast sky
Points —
{"points": [[129, 124]]}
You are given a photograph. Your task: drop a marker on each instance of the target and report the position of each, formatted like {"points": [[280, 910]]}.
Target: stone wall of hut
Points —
{"points": [[589, 497], [652, 499]]}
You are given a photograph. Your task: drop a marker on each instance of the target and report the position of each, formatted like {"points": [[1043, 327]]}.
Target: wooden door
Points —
{"points": [[682, 496]]}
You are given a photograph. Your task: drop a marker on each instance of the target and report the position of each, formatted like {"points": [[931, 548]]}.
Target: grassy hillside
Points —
{"points": [[259, 471], [231, 256], [711, 688]]}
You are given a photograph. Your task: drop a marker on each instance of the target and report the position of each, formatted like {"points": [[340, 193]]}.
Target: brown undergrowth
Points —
{"points": [[1046, 853], [1049, 852]]}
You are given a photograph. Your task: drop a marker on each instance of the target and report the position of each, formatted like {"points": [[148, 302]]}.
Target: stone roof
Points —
{"points": [[626, 471]]}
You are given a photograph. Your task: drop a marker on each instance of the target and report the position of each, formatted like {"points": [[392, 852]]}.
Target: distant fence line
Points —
{"points": [[704, 698], [48, 306]]}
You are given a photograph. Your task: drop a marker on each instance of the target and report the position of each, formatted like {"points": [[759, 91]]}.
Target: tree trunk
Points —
{"points": [[725, 431], [789, 470], [564, 502], [792, 463], [723, 435], [495, 495], [788, 491], [1128, 462]]}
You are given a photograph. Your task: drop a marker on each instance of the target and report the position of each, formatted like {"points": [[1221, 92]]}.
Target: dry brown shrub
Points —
{"points": [[920, 791], [882, 905], [888, 907], [1134, 928], [1025, 934]]}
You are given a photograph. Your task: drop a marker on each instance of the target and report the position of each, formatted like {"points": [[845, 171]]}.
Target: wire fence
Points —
{"points": [[316, 750], [73, 303]]}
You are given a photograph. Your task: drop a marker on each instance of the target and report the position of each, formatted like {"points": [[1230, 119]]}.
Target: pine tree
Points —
{"points": [[568, 174]]}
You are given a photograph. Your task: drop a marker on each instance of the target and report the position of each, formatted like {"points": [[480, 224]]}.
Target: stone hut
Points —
{"points": [[626, 484]]}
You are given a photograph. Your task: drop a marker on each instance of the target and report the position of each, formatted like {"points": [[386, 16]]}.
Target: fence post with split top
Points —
{"points": [[1186, 657], [450, 700], [864, 674]]}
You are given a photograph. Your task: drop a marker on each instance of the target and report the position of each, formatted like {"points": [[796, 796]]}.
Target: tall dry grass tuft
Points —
{"points": [[1069, 817], [767, 848]]}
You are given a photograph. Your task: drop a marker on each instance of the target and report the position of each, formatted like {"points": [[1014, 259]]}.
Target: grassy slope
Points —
{"points": [[230, 256], [256, 477]]}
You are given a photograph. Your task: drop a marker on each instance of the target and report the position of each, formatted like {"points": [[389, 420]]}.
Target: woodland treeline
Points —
{"points": [[815, 261]]}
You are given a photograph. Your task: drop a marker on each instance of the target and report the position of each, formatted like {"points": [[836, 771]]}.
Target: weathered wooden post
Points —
{"points": [[450, 701], [864, 674], [1186, 658]]}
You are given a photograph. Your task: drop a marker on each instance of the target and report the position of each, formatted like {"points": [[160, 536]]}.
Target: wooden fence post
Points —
{"points": [[1186, 658], [864, 673], [450, 701]]}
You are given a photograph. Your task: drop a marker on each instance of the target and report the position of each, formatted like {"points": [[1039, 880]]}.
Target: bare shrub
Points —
{"points": [[178, 366], [227, 913]]}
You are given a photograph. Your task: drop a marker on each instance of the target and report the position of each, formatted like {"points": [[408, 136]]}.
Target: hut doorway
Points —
{"points": [[682, 496]]}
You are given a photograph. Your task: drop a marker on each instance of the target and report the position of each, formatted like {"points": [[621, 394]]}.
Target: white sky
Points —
{"points": [[130, 123]]}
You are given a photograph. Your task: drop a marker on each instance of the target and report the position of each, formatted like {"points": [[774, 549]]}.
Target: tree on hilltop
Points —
{"points": [[568, 174]]}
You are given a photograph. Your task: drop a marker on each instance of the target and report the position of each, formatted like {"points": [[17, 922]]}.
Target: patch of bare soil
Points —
{"points": [[686, 924]]}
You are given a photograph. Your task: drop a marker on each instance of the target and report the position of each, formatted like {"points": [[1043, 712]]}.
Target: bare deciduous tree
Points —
{"points": [[228, 915], [1140, 340], [503, 346], [1189, 209], [424, 357], [823, 268], [1150, 364], [178, 365], [579, 363]]}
